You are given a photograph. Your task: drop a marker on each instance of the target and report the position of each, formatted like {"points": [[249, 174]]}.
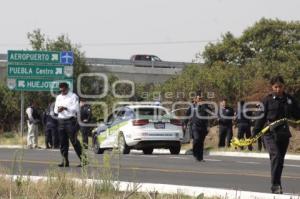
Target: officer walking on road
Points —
{"points": [[85, 117], [277, 105], [225, 117], [199, 126], [67, 107]]}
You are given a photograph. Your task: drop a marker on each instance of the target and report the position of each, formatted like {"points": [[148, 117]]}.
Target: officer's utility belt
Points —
{"points": [[68, 119], [235, 142]]}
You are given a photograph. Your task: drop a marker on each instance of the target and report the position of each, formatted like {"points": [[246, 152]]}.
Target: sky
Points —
{"points": [[174, 30]]}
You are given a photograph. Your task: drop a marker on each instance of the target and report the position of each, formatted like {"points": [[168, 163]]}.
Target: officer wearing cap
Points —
{"points": [[277, 105], [67, 107]]}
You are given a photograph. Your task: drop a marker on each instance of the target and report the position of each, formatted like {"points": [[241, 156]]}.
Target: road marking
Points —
{"points": [[182, 158], [247, 162], [212, 160], [133, 167], [292, 165], [152, 156]]}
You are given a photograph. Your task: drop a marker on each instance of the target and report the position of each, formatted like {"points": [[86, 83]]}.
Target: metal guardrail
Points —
{"points": [[125, 62]]}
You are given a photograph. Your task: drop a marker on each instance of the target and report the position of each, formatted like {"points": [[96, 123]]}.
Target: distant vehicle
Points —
{"points": [[141, 127], [151, 58]]}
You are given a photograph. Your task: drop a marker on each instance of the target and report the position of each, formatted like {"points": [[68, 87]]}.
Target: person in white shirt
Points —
{"points": [[67, 107], [32, 123]]}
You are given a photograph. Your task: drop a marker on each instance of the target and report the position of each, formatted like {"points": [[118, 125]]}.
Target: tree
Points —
{"points": [[9, 108], [39, 41], [267, 48], [61, 43], [268, 40]]}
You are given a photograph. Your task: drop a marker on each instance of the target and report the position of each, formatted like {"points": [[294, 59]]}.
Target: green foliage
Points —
{"points": [[9, 108], [38, 41], [109, 100], [234, 64], [268, 40]]}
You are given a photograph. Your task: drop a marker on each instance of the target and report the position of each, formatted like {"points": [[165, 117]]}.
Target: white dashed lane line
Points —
{"points": [[182, 158], [213, 160], [241, 162], [292, 165]]}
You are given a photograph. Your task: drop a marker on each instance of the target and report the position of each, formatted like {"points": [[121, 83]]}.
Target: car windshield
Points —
{"points": [[150, 112], [154, 58]]}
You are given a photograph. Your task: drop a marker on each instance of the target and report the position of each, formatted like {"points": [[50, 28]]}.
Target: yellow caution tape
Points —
{"points": [[235, 142]]}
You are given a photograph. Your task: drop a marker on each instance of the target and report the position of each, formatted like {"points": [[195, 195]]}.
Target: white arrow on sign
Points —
{"points": [[54, 57], [58, 71], [21, 83]]}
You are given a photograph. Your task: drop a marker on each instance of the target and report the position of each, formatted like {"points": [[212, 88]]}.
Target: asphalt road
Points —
{"points": [[248, 174]]}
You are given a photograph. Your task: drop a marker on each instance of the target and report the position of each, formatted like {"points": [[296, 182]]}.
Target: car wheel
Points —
{"points": [[175, 150], [123, 148], [148, 151], [96, 146]]}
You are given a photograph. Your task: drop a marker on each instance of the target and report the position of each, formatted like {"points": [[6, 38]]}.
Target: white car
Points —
{"points": [[141, 127]]}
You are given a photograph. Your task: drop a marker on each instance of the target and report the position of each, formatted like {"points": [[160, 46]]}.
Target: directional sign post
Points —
{"points": [[38, 71]]}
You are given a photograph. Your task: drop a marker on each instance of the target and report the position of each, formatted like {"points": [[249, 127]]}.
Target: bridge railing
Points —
{"points": [[111, 62], [162, 64]]}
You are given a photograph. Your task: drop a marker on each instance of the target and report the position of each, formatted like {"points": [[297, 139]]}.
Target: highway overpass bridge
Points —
{"points": [[137, 71]]}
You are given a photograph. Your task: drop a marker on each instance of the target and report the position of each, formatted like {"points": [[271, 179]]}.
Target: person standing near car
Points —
{"points": [[33, 119], [85, 117], [276, 106], [67, 108], [187, 123], [225, 117], [199, 127]]}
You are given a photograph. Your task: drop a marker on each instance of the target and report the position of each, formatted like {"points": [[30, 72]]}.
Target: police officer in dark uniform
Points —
{"points": [[50, 123], [225, 116], [199, 124], [85, 117], [243, 122], [277, 105], [187, 123], [260, 141]]}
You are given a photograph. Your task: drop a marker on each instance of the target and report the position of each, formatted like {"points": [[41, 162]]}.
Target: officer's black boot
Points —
{"points": [[277, 189], [64, 163]]}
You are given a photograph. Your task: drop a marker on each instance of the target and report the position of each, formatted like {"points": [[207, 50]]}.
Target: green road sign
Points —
{"points": [[45, 57], [23, 84], [36, 71]]}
